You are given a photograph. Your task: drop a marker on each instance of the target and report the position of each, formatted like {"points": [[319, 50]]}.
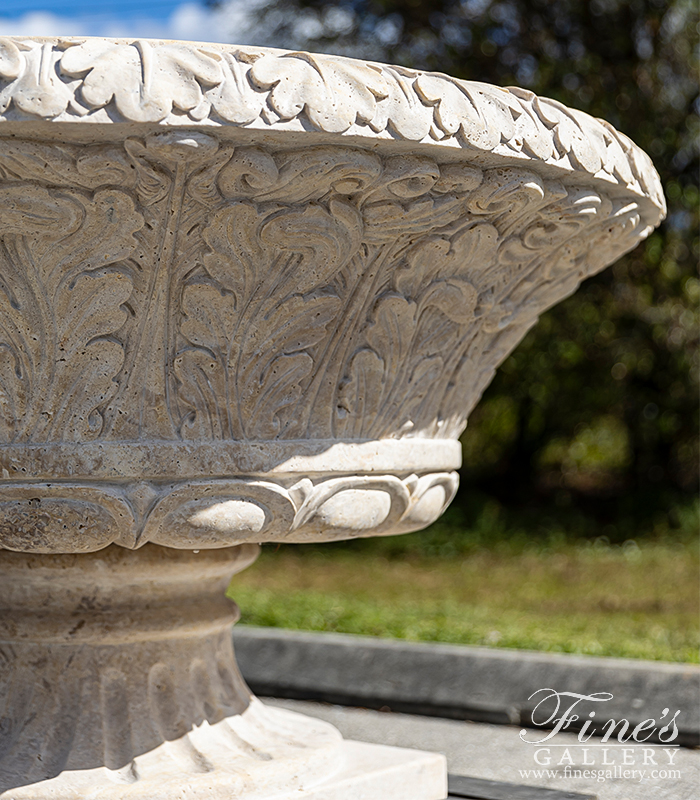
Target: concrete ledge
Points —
{"points": [[460, 682]]}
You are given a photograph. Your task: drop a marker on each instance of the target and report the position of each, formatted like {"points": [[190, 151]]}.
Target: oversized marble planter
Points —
{"points": [[246, 296]]}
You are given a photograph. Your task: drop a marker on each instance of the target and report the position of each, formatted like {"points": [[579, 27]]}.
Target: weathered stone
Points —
{"points": [[245, 296]]}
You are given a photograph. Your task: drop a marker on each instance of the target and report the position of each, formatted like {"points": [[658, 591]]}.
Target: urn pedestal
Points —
{"points": [[246, 296]]}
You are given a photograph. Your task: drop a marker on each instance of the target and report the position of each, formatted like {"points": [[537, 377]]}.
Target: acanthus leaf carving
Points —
{"points": [[531, 137], [34, 86], [318, 241], [88, 312], [63, 303], [270, 385], [415, 328], [359, 394], [402, 112], [510, 197], [252, 171], [305, 176], [152, 80], [385, 221], [272, 260], [238, 293], [235, 258], [481, 118], [335, 92], [389, 335], [234, 99], [416, 196], [94, 166], [569, 138], [10, 59], [152, 184]]}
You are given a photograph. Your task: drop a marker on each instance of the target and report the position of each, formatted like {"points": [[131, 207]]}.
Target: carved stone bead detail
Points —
{"points": [[199, 514]]}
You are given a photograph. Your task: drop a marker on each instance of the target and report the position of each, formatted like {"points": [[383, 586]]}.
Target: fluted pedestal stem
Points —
{"points": [[117, 671]]}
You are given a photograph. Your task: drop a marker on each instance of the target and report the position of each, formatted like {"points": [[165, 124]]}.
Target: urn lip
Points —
{"points": [[123, 86]]}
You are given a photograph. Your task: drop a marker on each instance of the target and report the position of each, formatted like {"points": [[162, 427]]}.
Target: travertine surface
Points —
{"points": [[118, 680], [252, 266], [245, 295]]}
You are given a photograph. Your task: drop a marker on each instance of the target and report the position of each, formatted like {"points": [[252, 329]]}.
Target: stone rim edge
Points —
{"points": [[115, 461], [270, 89]]}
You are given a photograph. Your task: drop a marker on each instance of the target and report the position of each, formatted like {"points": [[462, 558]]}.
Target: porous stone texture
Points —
{"points": [[119, 681], [497, 753], [247, 296]]}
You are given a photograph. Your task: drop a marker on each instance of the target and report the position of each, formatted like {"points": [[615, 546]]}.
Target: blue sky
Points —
{"points": [[166, 19], [156, 9]]}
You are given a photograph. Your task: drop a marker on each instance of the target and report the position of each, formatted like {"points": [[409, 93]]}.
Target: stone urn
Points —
{"points": [[246, 296]]}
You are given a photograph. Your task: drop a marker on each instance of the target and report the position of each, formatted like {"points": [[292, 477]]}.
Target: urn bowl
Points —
{"points": [[250, 295]]}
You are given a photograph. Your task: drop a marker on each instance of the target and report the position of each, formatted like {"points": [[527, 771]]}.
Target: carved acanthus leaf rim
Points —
{"points": [[76, 79]]}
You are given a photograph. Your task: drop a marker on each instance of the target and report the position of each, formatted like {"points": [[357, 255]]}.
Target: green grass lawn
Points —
{"points": [[630, 600]]}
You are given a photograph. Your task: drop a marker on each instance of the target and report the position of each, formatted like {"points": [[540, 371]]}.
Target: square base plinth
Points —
{"points": [[379, 772]]}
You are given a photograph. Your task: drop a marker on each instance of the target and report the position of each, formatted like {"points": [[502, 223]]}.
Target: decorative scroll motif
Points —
{"points": [[176, 288], [178, 291], [103, 80], [63, 283], [43, 518]]}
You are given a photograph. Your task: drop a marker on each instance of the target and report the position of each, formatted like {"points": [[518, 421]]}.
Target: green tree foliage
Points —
{"points": [[597, 408]]}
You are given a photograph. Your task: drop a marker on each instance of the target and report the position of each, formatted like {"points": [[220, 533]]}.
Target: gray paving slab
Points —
{"points": [[481, 684], [496, 753], [460, 786]]}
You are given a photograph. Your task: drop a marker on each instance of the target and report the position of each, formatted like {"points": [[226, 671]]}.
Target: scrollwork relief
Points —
{"points": [[183, 289], [202, 514], [63, 283], [154, 81]]}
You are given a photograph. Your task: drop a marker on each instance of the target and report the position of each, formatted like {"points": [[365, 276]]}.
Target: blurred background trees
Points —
{"points": [[594, 416]]}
